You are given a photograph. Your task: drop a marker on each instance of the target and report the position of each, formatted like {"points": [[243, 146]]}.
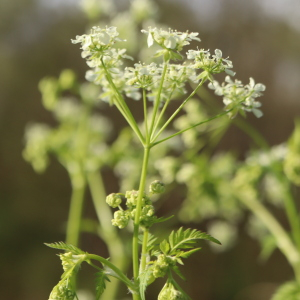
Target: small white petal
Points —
{"points": [[150, 40]]}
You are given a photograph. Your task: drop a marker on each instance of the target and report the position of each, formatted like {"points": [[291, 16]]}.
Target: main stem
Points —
{"points": [[74, 219], [108, 233], [135, 246]]}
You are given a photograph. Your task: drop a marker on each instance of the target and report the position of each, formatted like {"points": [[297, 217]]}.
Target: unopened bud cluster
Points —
{"points": [[162, 264], [169, 292], [123, 216]]}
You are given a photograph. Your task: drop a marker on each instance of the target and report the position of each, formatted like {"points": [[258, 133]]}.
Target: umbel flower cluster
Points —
{"points": [[108, 70], [147, 217]]}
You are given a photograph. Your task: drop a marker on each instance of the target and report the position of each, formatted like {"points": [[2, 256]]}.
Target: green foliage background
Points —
{"points": [[35, 42]]}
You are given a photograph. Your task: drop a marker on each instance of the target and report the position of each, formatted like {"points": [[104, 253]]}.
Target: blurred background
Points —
{"points": [[262, 38]]}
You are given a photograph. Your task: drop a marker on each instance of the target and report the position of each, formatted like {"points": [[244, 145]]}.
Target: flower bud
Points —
{"points": [[157, 187], [121, 219], [170, 293], [113, 200]]}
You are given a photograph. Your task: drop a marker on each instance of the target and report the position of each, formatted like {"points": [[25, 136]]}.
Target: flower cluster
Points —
{"points": [[122, 217], [162, 264], [169, 292], [98, 43], [238, 97], [172, 41], [142, 75], [211, 64]]}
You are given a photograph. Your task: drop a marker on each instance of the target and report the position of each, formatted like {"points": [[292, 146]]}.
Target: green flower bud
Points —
{"points": [[160, 266], [62, 291], [113, 200], [170, 293], [157, 187], [121, 219], [132, 197]]}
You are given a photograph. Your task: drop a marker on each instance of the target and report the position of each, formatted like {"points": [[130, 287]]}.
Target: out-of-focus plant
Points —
{"points": [[221, 188]]}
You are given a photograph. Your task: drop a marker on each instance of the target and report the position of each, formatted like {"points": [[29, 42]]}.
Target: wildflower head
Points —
{"points": [[98, 42], [142, 75], [238, 97], [210, 64], [171, 41]]}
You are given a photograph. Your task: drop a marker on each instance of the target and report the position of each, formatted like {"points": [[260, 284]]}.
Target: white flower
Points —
{"points": [[238, 97], [211, 64], [98, 42], [170, 40], [142, 75]]}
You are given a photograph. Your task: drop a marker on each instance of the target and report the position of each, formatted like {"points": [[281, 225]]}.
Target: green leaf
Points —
{"points": [[164, 247], [178, 272], [100, 283], [288, 291], [186, 239], [175, 56], [162, 219], [151, 240], [144, 279], [187, 254], [66, 247]]}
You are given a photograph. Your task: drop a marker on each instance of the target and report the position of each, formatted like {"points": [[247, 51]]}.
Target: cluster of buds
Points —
{"points": [[62, 291], [169, 292], [162, 264], [122, 216]]}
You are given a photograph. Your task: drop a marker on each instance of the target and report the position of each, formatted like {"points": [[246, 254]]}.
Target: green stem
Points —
{"points": [[135, 246], [163, 110], [284, 242], [195, 125], [144, 250], [178, 110], [158, 98], [117, 272], [75, 211], [122, 106], [107, 232], [292, 213], [145, 113]]}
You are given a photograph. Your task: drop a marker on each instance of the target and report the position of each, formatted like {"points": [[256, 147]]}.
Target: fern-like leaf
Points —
{"points": [[100, 283], [66, 247], [181, 239]]}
